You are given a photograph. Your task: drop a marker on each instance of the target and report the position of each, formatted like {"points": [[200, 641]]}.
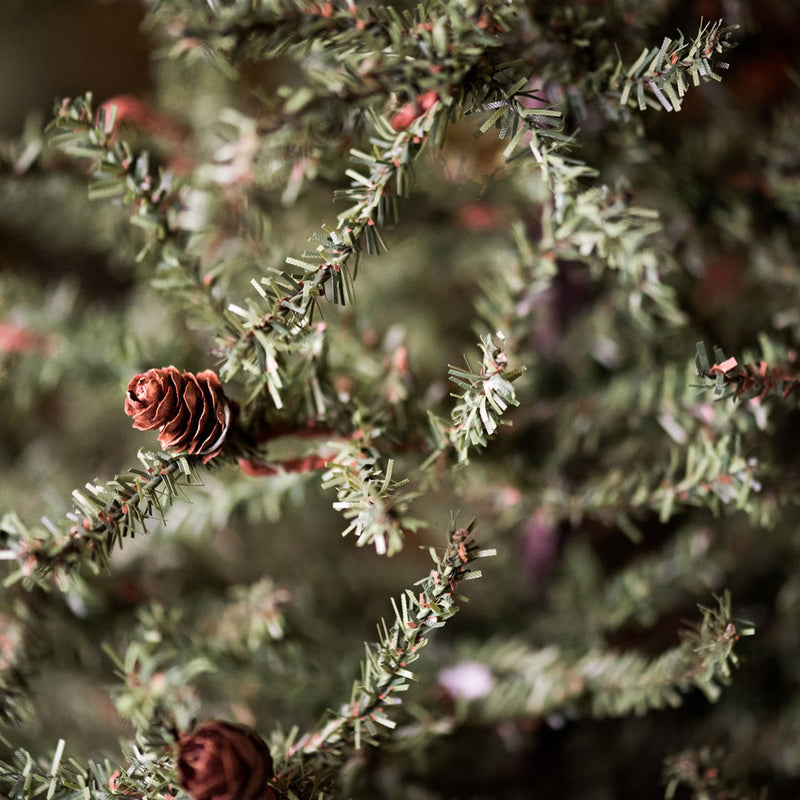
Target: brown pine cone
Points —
{"points": [[191, 411], [223, 761]]}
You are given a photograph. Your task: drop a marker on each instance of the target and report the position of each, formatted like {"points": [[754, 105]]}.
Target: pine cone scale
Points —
{"points": [[169, 403], [182, 431], [209, 421], [219, 410], [143, 392], [171, 408]]}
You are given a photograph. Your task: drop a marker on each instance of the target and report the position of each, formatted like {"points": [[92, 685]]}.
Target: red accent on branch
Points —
{"points": [[257, 468], [760, 380], [15, 339], [145, 117]]}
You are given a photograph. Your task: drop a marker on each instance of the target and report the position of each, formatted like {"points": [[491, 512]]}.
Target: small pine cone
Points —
{"points": [[191, 411], [223, 761]]}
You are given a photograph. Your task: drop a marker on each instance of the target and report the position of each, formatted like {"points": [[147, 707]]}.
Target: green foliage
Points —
{"points": [[499, 177], [153, 195], [665, 72], [371, 500], [169, 653], [749, 380], [25, 779], [14, 700], [605, 682], [104, 513], [385, 673], [117, 173], [639, 594], [486, 395]]}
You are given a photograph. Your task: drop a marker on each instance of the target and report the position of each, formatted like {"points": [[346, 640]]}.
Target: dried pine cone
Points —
{"points": [[191, 411], [222, 761]]}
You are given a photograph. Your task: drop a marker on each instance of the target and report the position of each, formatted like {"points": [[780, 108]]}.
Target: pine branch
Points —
{"points": [[154, 196], [265, 30], [340, 35], [25, 779], [116, 171], [591, 225], [661, 76], [279, 317], [508, 299], [697, 454], [158, 673], [653, 584], [486, 396], [171, 650], [605, 683], [587, 605], [666, 402], [708, 473], [680, 427], [597, 227], [250, 619], [704, 660], [104, 513], [53, 338], [750, 381], [706, 775], [371, 499], [385, 672], [151, 769]]}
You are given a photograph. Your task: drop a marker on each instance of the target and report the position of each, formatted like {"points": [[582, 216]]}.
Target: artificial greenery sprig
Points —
{"points": [[537, 682], [484, 397], [749, 380], [367, 496], [104, 513], [277, 320], [23, 778], [661, 76], [339, 35], [171, 649], [707, 473], [119, 173], [697, 561], [116, 170], [580, 220], [385, 672]]}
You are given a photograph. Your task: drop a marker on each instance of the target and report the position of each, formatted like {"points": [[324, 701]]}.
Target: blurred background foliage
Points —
{"points": [[78, 319]]}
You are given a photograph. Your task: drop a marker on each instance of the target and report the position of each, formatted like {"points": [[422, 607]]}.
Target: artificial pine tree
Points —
{"points": [[360, 296]]}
